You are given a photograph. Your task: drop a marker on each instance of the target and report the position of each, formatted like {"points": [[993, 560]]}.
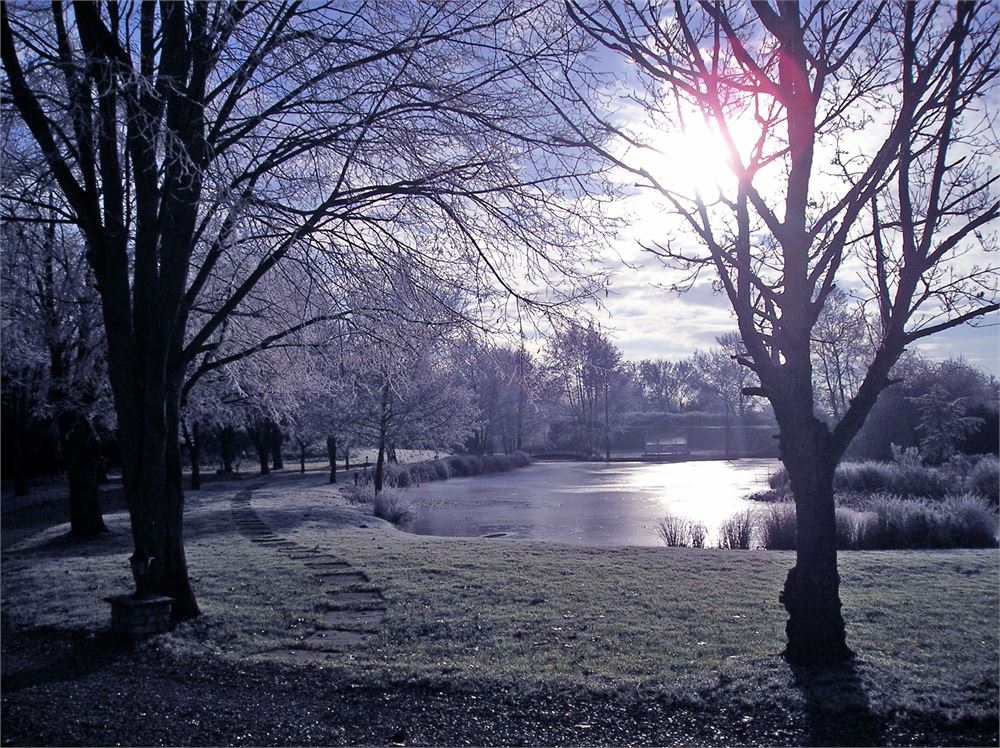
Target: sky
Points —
{"points": [[647, 320], [650, 322]]}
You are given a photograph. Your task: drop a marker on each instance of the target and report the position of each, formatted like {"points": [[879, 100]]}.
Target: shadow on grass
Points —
{"points": [[54, 656], [837, 708]]}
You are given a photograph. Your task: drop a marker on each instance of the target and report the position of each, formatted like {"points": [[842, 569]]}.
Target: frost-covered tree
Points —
{"points": [[53, 364], [199, 146]]}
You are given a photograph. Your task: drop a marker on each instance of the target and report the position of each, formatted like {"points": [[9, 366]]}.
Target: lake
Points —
{"points": [[589, 503]]}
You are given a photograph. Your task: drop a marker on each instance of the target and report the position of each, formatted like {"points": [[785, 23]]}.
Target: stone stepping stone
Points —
{"points": [[350, 599], [301, 655], [306, 553], [359, 620], [326, 563], [343, 578], [337, 638]]}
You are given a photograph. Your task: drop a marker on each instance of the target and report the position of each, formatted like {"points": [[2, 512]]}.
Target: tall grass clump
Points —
{"points": [[904, 478], [984, 479], [777, 527], [361, 494], [674, 531], [404, 475], [779, 479], [972, 521], [390, 506], [847, 528], [468, 465], [737, 532], [698, 533], [893, 522], [398, 475]]}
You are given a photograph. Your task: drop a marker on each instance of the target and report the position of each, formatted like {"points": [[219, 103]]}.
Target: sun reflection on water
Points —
{"points": [[590, 503]]}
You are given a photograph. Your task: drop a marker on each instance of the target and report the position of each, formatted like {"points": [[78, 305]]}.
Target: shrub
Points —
{"points": [[674, 531], [389, 506], [984, 479], [736, 533], [521, 459], [459, 465], [777, 527], [441, 470], [698, 534]]}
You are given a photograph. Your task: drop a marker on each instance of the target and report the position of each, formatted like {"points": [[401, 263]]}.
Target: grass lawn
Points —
{"points": [[685, 626]]}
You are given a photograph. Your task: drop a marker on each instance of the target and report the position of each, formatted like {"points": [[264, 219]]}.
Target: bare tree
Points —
{"points": [[669, 386], [198, 145], [842, 348], [585, 368], [852, 132], [723, 376]]}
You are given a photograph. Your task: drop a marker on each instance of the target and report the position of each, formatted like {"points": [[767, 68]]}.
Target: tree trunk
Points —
{"points": [[20, 419], [259, 438], [101, 462], [80, 452], [347, 458], [331, 453], [607, 426], [727, 420], [151, 462], [380, 463], [383, 433], [815, 627], [302, 456], [274, 438], [227, 445], [192, 439]]}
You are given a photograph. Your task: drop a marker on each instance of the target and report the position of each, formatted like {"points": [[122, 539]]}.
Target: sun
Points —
{"points": [[695, 160]]}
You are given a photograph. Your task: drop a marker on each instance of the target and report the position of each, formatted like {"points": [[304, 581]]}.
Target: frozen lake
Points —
{"points": [[589, 503]]}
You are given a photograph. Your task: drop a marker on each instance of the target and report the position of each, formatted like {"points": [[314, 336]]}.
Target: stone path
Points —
{"points": [[354, 608]]}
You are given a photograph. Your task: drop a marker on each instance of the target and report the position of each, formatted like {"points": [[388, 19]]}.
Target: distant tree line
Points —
{"points": [[352, 384]]}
